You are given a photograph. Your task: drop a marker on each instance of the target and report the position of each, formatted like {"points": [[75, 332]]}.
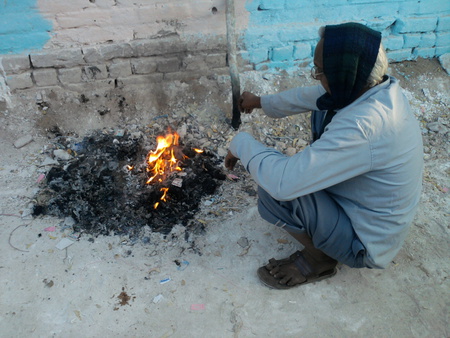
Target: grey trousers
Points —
{"points": [[319, 216]]}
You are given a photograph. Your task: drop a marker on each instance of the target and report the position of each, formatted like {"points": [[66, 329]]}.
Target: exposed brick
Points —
{"points": [[13, 64], [433, 7], [45, 77], [57, 58], [424, 52], [257, 55], [302, 51], [144, 65], [443, 39], [69, 76], [393, 42], [411, 40], [381, 24], [216, 60], [299, 33], [415, 24], [282, 53], [119, 69], [445, 62], [399, 55], [107, 52], [442, 50], [428, 40], [19, 81], [168, 65], [92, 73], [443, 23], [154, 47], [214, 42], [195, 63]]}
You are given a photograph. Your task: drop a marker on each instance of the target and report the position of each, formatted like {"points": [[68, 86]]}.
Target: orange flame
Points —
{"points": [[163, 161]]}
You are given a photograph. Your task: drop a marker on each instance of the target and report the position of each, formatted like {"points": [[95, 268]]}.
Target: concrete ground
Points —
{"points": [[207, 286]]}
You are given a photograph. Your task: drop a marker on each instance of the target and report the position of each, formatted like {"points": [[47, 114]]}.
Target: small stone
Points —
{"points": [[23, 141], [243, 242], [437, 127], [291, 151], [445, 62], [222, 152], [49, 161]]}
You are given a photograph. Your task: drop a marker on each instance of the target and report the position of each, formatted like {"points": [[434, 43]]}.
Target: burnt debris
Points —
{"points": [[97, 188]]}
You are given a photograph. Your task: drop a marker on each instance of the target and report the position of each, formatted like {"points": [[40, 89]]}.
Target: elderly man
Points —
{"points": [[351, 195]]}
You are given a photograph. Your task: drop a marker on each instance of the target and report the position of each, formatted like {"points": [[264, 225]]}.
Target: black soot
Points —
{"points": [[103, 187]]}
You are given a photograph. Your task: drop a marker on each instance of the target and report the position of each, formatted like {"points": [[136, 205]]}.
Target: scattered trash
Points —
{"points": [[158, 298], [49, 161], [120, 133], [209, 202], [164, 281], [40, 178], [282, 241], [178, 182], [64, 243], [50, 229], [23, 141], [62, 154], [182, 266], [233, 177], [197, 307]]}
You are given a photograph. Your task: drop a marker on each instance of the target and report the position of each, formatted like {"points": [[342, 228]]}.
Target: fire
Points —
{"points": [[163, 161]]}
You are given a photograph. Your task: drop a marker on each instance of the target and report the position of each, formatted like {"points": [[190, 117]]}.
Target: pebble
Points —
{"points": [[49, 161], [437, 127], [23, 141], [291, 151], [243, 242]]}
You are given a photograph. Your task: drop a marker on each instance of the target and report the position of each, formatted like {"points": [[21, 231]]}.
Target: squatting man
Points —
{"points": [[351, 195]]}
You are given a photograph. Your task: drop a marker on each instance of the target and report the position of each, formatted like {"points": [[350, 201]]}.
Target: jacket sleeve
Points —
{"points": [[292, 101], [340, 154]]}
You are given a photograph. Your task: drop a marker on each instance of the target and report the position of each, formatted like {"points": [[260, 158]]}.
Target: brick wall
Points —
{"points": [[115, 42], [283, 33]]}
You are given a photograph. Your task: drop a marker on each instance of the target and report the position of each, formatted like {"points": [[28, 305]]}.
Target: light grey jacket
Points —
{"points": [[370, 160]]}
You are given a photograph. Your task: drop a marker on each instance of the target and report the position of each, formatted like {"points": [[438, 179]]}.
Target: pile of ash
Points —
{"points": [[97, 188]]}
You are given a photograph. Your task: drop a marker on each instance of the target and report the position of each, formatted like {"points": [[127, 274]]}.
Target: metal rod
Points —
{"points": [[232, 63]]}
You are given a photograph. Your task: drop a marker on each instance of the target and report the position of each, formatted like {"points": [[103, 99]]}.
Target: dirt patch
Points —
{"points": [[213, 287]]}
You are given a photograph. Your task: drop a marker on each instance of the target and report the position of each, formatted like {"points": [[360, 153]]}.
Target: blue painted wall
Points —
{"points": [[22, 27], [283, 33]]}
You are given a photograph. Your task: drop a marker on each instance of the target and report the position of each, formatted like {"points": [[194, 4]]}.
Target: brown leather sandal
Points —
{"points": [[299, 267]]}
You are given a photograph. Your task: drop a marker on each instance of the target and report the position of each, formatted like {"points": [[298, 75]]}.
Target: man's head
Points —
{"points": [[349, 58]]}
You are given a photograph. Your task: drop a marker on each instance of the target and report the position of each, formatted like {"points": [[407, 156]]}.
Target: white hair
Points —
{"points": [[380, 67]]}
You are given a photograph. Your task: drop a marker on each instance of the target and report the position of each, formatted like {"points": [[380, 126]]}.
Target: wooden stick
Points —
{"points": [[232, 63]]}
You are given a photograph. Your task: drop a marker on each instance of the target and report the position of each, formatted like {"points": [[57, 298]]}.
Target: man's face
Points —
{"points": [[318, 62]]}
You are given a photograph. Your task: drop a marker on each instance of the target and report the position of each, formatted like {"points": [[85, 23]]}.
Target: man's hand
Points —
{"points": [[230, 160], [248, 102]]}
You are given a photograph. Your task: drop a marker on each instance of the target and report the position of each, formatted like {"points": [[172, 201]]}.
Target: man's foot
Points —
{"points": [[298, 269]]}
